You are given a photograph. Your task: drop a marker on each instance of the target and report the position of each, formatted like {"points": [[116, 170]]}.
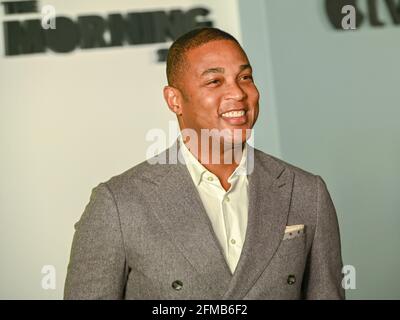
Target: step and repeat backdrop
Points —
{"points": [[80, 87]]}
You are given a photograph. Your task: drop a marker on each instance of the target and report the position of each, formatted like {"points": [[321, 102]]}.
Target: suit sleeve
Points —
{"points": [[323, 276], [97, 267]]}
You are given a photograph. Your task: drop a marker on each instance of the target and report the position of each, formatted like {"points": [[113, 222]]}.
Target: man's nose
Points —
{"points": [[235, 91]]}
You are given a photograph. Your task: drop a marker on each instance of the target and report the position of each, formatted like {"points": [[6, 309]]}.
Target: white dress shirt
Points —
{"points": [[227, 210]]}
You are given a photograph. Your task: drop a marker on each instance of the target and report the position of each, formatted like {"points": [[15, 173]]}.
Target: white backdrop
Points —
{"points": [[68, 122]]}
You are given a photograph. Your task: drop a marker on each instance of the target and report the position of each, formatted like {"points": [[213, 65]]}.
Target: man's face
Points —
{"points": [[218, 89]]}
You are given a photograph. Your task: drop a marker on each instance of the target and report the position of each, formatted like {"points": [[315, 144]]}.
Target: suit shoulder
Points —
{"points": [[272, 161], [138, 175]]}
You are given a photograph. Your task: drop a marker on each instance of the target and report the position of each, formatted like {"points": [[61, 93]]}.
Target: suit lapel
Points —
{"points": [[185, 219], [269, 200]]}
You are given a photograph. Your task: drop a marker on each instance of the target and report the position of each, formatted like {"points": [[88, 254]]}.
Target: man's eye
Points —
{"points": [[213, 82], [247, 77]]}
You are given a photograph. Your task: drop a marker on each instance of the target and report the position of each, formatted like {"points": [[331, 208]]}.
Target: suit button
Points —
{"points": [[291, 279], [177, 285]]}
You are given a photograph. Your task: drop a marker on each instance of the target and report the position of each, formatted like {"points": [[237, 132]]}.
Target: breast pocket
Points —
{"points": [[292, 246]]}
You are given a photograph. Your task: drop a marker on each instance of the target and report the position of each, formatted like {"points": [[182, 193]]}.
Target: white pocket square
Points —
{"points": [[294, 228], [293, 231]]}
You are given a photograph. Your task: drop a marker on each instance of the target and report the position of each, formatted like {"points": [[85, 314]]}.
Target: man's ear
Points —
{"points": [[173, 98]]}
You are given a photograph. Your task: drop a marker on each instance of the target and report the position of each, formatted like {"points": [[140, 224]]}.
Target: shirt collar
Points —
{"points": [[197, 170]]}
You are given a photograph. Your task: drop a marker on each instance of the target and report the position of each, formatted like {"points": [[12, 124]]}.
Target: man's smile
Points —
{"points": [[235, 117]]}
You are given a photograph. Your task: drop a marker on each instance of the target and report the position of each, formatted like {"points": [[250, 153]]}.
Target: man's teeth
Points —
{"points": [[233, 114]]}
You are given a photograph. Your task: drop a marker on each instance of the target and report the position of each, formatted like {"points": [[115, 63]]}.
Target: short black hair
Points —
{"points": [[190, 40]]}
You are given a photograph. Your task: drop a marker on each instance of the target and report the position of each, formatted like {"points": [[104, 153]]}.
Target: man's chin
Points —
{"points": [[236, 136]]}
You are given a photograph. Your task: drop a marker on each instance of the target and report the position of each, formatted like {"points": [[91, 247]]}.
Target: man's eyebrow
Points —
{"points": [[222, 70], [213, 70], [245, 66]]}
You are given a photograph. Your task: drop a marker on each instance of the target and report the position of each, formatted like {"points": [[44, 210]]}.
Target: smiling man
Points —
{"points": [[212, 92], [228, 222]]}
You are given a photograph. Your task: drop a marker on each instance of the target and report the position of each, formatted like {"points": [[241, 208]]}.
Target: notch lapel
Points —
{"points": [[269, 200]]}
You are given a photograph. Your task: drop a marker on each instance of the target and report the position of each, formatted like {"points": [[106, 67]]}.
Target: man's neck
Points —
{"points": [[220, 161]]}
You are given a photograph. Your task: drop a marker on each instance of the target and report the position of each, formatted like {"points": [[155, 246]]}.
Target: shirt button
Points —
{"points": [[227, 199], [233, 241], [210, 179]]}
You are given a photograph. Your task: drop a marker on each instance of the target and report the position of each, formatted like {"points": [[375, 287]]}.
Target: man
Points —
{"points": [[253, 228]]}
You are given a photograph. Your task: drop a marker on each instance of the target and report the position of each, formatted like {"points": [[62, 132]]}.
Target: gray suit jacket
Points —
{"points": [[145, 235]]}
